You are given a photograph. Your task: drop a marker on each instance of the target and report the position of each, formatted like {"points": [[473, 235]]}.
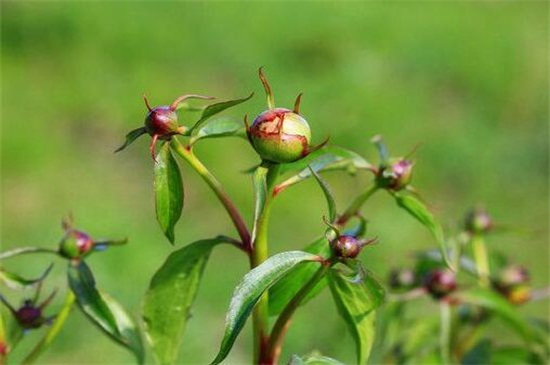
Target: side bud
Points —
{"points": [[75, 245], [478, 221], [396, 175], [513, 284], [402, 279], [440, 283]]}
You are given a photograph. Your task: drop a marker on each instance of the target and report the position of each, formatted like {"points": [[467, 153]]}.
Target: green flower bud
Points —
{"points": [[75, 245], [279, 135]]}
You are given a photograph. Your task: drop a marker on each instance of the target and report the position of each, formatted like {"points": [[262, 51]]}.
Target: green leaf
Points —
{"points": [[356, 303], [168, 301], [168, 191], [499, 306], [313, 360], [219, 128], [260, 195], [251, 288], [479, 354], [328, 158], [418, 210], [14, 281], [328, 195], [131, 137], [514, 356], [285, 289], [102, 310], [216, 108]]}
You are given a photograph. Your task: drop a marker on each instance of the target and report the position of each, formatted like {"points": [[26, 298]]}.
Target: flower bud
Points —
{"points": [[395, 176], [402, 279], [513, 284], [75, 244], [280, 135], [29, 316], [440, 283], [348, 246], [478, 221], [162, 121]]}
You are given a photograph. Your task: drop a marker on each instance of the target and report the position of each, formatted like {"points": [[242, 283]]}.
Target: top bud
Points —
{"points": [[280, 135], [478, 221], [162, 121]]}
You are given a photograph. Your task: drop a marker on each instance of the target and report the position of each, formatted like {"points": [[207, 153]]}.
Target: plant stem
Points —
{"points": [[188, 155], [53, 331], [481, 260], [356, 205], [3, 342], [283, 322], [260, 253], [445, 332]]}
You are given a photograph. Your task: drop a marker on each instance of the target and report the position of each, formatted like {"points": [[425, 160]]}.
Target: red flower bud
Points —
{"points": [[440, 283], [348, 247], [29, 316]]}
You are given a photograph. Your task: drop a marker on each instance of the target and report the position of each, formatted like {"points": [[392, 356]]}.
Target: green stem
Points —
{"points": [[283, 322], [356, 205], [188, 155], [3, 342], [56, 326], [445, 334], [481, 259], [260, 253]]}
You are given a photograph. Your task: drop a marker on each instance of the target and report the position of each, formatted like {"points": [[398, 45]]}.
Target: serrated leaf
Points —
{"points": [[168, 301], [328, 195], [251, 288], [500, 307], [17, 282], [420, 212], [216, 108], [356, 303], [131, 137], [313, 360], [168, 192], [328, 158], [102, 310], [219, 128], [285, 289]]}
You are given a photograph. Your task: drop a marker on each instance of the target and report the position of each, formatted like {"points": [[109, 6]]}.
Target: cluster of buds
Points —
{"points": [[76, 245], [440, 283], [403, 279], [513, 284], [280, 135], [393, 173]]}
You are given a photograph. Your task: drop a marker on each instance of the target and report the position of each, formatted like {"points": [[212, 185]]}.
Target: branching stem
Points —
{"points": [[188, 156]]}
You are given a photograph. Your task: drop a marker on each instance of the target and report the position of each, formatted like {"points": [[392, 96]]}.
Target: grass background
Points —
{"points": [[469, 80]]}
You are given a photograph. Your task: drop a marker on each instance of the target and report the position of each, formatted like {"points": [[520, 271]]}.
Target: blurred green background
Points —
{"points": [[468, 80]]}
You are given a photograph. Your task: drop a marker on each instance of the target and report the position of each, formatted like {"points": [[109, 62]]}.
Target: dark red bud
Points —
{"points": [[478, 221], [348, 247], [29, 316], [162, 121], [440, 283]]}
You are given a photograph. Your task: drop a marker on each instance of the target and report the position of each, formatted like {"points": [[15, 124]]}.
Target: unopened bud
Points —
{"points": [[478, 221], [402, 279], [440, 283], [395, 176]]}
